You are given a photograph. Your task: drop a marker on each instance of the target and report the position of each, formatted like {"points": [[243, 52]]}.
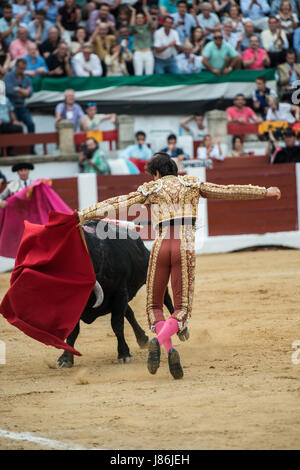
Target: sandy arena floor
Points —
{"points": [[240, 389]]}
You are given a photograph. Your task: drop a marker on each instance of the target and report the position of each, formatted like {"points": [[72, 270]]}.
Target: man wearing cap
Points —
{"points": [[23, 170], [290, 153]]}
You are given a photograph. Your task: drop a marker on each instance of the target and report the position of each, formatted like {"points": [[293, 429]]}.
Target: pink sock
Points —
{"points": [[168, 343], [169, 329]]}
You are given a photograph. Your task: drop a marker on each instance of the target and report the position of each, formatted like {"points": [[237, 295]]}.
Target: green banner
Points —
{"points": [[167, 80]]}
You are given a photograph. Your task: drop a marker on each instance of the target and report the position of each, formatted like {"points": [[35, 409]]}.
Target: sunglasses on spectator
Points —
{"points": [[91, 104], [218, 37]]}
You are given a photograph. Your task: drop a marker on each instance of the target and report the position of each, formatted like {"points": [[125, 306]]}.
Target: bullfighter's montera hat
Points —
{"points": [[23, 166]]}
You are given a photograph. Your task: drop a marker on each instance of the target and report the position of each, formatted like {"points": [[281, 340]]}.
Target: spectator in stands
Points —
{"points": [[21, 6], [244, 40], [287, 74], [255, 58], [8, 24], [183, 21], [275, 6], [256, 11], [235, 18], [18, 88], [51, 8], [5, 58], [116, 60], [2, 179], [222, 6], [237, 147], [167, 7], [230, 37], [126, 41], [197, 40], [59, 63], [172, 150], [166, 43], [102, 40], [241, 113], [78, 40], [69, 110], [282, 111], [138, 151], [219, 57], [188, 62], [68, 18], [38, 29], [208, 21], [112, 4], [50, 46], [196, 126], [274, 41], [101, 16], [87, 64], [8, 121], [92, 159], [36, 64], [288, 20], [18, 47], [210, 150], [260, 96], [288, 154], [141, 30], [92, 121], [296, 43]]}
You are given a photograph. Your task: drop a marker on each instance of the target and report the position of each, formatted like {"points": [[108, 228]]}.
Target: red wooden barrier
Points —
{"points": [[107, 136], [260, 216], [26, 140], [67, 189], [236, 128]]}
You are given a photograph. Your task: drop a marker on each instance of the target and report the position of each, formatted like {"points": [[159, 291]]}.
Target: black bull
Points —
{"points": [[121, 267]]}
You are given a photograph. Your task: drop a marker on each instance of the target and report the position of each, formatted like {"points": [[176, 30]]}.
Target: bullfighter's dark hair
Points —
{"points": [[162, 163]]}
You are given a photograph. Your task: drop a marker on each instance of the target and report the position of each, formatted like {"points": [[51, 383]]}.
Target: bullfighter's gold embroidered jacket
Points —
{"points": [[172, 197]]}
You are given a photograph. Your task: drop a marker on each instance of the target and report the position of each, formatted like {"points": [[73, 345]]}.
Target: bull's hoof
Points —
{"points": [[184, 334], [143, 342], [125, 360], [64, 362]]}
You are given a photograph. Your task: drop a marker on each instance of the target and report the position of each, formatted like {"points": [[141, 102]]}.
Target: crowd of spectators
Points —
{"points": [[127, 37], [66, 38]]}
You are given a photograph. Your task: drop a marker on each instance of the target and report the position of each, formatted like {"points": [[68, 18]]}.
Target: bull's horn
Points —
{"points": [[98, 291]]}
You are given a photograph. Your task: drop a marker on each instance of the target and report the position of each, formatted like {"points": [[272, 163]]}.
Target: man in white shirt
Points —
{"points": [[188, 62], [87, 64], [166, 46], [274, 41], [23, 170]]}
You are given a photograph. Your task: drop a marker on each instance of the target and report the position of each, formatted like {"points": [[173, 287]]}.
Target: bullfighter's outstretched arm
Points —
{"points": [[112, 205], [233, 191]]}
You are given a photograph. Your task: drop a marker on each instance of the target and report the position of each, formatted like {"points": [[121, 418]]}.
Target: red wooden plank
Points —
{"points": [[236, 128], [242, 217], [66, 188]]}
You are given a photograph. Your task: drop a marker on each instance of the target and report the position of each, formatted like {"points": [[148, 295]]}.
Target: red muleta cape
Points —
{"points": [[51, 282]]}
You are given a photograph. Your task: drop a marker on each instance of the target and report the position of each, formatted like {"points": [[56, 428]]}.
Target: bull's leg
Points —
{"points": [[141, 337], [117, 324], [67, 359]]}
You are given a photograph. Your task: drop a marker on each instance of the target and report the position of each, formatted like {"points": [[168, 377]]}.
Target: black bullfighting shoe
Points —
{"points": [[153, 361], [174, 364]]}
